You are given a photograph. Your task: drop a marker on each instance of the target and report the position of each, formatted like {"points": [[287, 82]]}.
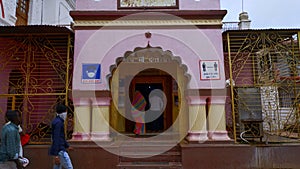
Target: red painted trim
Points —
{"points": [[2, 9], [113, 15], [149, 27]]}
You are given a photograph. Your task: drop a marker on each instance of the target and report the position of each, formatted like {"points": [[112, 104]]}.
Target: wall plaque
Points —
{"points": [[148, 3], [91, 73], [209, 70]]}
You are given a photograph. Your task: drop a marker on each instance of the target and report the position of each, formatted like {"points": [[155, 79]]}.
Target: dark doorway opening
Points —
{"points": [[146, 84], [158, 123]]}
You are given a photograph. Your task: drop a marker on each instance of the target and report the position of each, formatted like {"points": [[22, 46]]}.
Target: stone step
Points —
{"points": [[167, 136], [149, 150], [149, 155], [150, 165], [149, 143], [166, 157], [149, 147]]}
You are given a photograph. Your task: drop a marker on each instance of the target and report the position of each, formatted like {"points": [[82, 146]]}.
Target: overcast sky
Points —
{"points": [[265, 13]]}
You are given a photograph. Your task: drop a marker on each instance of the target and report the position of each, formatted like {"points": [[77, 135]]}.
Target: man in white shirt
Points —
{"points": [[155, 113]]}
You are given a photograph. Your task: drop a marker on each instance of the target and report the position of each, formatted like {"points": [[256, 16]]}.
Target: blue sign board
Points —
{"points": [[91, 73]]}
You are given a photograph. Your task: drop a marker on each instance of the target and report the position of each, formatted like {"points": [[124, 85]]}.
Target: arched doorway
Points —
{"points": [[146, 82], [147, 69]]}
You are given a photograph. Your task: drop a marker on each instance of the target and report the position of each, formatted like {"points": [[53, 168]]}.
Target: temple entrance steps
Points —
{"points": [[136, 157], [149, 154]]}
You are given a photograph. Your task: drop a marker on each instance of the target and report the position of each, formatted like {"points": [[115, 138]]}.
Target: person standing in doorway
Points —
{"points": [[138, 112], [10, 142], [157, 106], [60, 145]]}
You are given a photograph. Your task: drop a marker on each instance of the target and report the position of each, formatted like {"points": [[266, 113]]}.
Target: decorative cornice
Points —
{"points": [[145, 14], [119, 23], [148, 18], [207, 92], [197, 100], [103, 101], [90, 94]]}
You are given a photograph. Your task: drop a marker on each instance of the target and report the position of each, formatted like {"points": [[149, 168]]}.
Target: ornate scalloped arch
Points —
{"points": [[165, 55]]}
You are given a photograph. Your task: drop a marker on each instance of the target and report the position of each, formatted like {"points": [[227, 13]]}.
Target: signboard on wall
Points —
{"points": [[91, 73], [147, 3], [209, 70]]}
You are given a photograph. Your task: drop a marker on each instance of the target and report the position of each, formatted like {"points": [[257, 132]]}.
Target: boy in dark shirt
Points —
{"points": [[59, 145], [10, 141]]}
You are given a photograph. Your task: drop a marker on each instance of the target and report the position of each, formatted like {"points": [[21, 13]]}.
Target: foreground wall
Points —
{"points": [[240, 156], [194, 156]]}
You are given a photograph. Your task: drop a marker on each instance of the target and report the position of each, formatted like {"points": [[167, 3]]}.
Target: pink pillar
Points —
{"points": [[197, 119], [100, 127], [82, 116], [217, 119]]}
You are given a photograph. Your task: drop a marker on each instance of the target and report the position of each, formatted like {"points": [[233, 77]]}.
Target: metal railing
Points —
{"points": [[264, 68], [36, 72]]}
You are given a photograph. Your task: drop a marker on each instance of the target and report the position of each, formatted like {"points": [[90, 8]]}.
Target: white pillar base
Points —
{"points": [[197, 136], [77, 136], [100, 136], [218, 135]]}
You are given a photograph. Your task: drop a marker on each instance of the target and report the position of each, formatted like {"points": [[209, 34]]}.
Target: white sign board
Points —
{"points": [[209, 70]]}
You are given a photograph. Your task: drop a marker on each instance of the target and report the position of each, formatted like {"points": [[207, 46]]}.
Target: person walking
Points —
{"points": [[24, 139], [10, 142], [60, 145]]}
